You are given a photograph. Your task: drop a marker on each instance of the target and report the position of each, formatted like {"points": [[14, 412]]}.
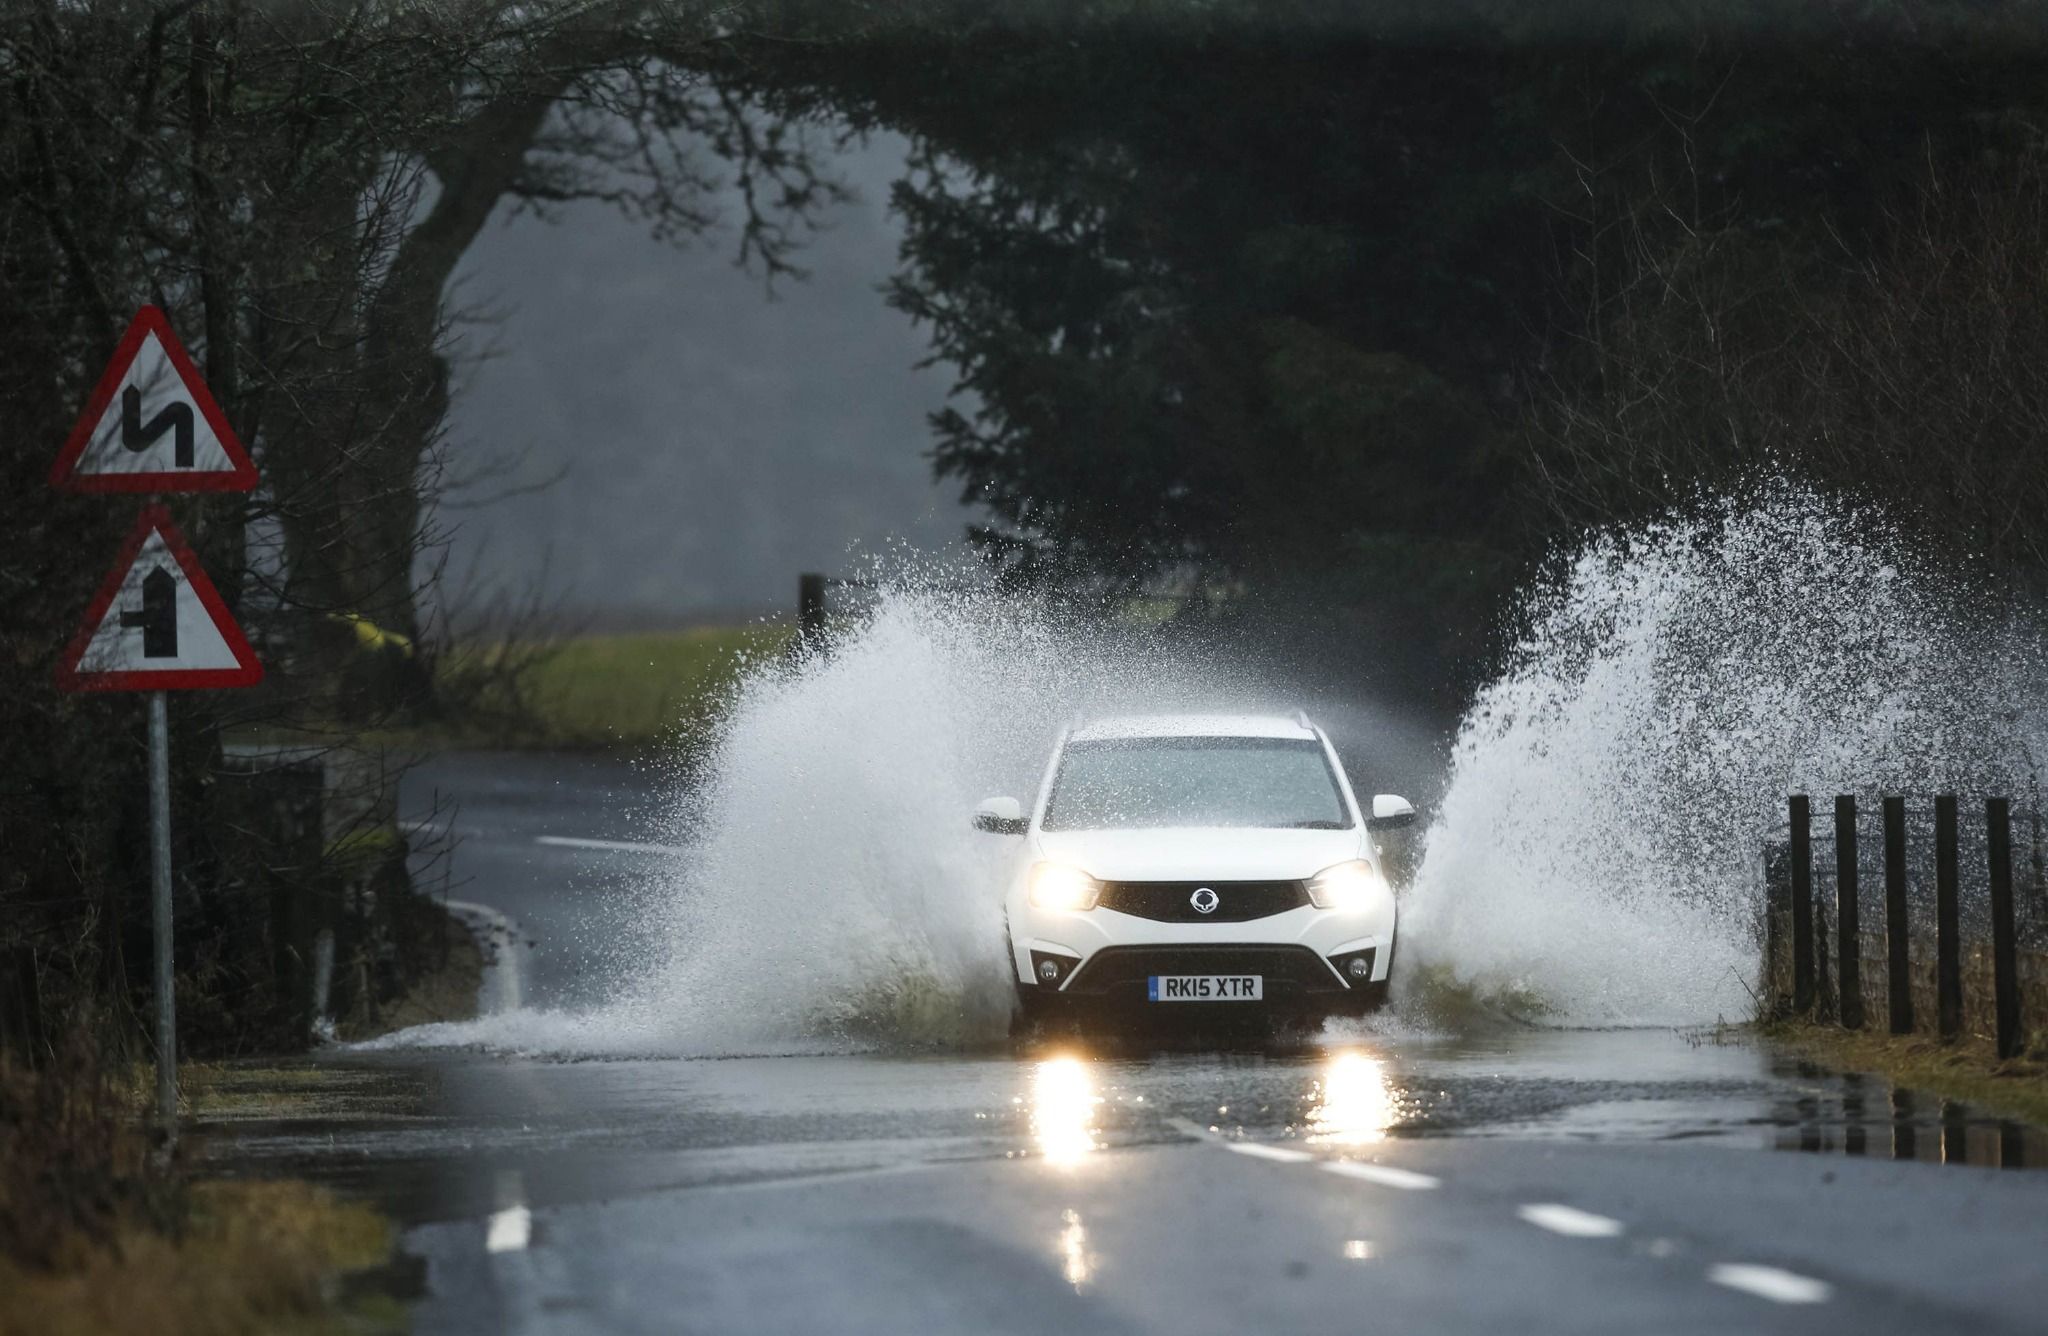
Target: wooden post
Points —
{"points": [[1802, 904], [1848, 924], [810, 605], [1777, 902], [1948, 924], [1899, 980], [1824, 1008], [2004, 947]]}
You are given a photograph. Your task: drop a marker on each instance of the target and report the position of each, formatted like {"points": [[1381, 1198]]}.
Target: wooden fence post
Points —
{"points": [[1777, 906], [810, 605], [1948, 927], [1802, 904], [1848, 924], [1825, 1009], [1899, 982], [2004, 948]]}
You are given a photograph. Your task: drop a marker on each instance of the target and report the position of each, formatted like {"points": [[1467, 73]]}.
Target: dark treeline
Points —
{"points": [[1362, 306], [1355, 309]]}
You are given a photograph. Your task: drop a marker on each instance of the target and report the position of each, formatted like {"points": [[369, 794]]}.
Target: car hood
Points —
{"points": [[1201, 854]]}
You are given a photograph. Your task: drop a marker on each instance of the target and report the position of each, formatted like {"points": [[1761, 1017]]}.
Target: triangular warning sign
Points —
{"points": [[157, 624], [152, 425]]}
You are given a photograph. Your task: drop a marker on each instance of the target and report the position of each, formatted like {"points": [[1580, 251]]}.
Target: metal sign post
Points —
{"points": [[166, 435], [158, 625], [160, 913]]}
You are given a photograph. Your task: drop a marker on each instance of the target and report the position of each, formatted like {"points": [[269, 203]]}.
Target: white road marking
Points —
{"points": [[509, 1230], [1383, 1174], [1569, 1221], [1768, 1282], [617, 846], [1278, 1153]]}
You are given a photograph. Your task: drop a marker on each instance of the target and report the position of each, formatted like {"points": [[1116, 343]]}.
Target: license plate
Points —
{"points": [[1206, 988]]}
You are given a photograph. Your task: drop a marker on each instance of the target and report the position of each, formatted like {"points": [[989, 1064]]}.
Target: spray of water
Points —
{"points": [[1594, 860], [833, 891], [1597, 855]]}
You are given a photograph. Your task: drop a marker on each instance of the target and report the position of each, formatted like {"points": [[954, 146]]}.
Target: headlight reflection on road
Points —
{"points": [[1075, 1263], [1063, 1101], [1354, 1104]]}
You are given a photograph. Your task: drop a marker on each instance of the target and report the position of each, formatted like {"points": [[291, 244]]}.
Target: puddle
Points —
{"points": [[1867, 1116]]}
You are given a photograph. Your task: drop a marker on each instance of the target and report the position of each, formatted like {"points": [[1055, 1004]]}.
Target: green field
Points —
{"points": [[634, 691], [612, 692], [595, 692]]}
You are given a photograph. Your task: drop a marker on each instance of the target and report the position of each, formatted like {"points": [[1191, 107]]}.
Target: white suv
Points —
{"points": [[1198, 866]]}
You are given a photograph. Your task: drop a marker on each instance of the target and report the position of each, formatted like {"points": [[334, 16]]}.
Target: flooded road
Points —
{"points": [[1388, 1175], [430, 1136]]}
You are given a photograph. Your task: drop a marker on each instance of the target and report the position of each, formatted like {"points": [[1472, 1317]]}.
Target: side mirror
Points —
{"points": [[1390, 811], [1001, 816]]}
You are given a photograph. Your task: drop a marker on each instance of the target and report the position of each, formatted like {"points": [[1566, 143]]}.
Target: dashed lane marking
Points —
{"points": [[1765, 1282], [509, 1230], [1769, 1282], [1386, 1175], [1569, 1221], [616, 846], [1277, 1153]]}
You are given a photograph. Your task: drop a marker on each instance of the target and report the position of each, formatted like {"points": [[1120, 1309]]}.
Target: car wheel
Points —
{"points": [[1028, 1017]]}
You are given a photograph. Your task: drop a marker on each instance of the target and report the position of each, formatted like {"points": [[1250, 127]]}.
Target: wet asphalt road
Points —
{"points": [[1384, 1179]]}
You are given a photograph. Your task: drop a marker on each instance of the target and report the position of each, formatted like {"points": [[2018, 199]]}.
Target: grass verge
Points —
{"points": [[448, 993], [239, 1258], [100, 1234], [1967, 1070]]}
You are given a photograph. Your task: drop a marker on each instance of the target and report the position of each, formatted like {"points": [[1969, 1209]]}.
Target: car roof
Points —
{"points": [[1193, 726]]}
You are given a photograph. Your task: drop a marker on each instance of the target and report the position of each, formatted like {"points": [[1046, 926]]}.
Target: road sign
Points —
{"points": [[157, 624], [152, 425]]}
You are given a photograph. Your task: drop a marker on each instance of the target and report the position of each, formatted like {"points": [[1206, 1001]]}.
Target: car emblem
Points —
{"points": [[1205, 900]]}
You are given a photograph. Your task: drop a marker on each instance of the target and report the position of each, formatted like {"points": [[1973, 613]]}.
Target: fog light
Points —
{"points": [[1051, 970], [1356, 968]]}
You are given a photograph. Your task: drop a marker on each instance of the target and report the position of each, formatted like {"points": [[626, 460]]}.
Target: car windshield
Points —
{"points": [[1127, 783]]}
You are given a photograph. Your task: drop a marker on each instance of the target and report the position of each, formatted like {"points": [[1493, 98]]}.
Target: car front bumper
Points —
{"points": [[1296, 981]]}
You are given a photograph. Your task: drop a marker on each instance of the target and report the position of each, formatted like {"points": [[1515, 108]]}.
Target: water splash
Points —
{"points": [[1595, 859], [834, 892], [1597, 855]]}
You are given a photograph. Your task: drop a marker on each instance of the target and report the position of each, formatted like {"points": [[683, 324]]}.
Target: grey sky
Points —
{"points": [[713, 442]]}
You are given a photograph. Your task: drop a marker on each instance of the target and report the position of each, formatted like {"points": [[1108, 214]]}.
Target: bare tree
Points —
{"points": [[294, 184], [1907, 365]]}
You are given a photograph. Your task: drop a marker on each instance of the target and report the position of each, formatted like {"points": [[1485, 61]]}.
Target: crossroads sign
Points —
{"points": [[157, 623]]}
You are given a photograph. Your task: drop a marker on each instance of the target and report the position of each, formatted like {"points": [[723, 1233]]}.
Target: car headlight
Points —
{"points": [[1347, 886], [1057, 886]]}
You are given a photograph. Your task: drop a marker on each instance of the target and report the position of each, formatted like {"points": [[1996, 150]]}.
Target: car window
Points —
{"points": [[1128, 783]]}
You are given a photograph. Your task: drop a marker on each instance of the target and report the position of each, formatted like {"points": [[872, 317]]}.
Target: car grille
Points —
{"points": [[1173, 901], [1121, 971]]}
